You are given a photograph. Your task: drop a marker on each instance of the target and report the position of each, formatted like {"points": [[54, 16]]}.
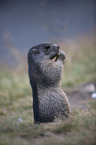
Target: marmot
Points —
{"points": [[45, 65]]}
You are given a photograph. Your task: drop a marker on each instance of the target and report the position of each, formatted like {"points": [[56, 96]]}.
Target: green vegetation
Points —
{"points": [[80, 64], [16, 116]]}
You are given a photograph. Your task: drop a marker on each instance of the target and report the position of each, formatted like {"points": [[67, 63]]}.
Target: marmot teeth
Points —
{"points": [[56, 57]]}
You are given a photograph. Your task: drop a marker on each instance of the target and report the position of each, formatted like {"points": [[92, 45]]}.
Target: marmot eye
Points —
{"points": [[47, 47], [35, 51]]}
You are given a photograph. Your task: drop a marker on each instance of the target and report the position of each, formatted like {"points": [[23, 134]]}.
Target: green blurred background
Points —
{"points": [[70, 24]]}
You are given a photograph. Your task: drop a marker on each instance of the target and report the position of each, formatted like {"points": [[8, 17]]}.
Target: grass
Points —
{"points": [[79, 129], [16, 115], [80, 64]]}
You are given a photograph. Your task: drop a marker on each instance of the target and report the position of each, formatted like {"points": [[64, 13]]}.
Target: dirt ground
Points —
{"points": [[79, 100], [81, 96]]}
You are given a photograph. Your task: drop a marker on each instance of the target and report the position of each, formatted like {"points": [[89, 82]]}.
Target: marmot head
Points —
{"points": [[43, 52]]}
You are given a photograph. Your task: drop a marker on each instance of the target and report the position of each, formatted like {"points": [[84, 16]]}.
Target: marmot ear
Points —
{"points": [[34, 51]]}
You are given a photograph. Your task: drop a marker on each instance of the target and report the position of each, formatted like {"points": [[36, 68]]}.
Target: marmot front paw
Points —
{"points": [[61, 55]]}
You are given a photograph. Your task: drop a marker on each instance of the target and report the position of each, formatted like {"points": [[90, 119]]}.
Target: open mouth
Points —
{"points": [[54, 58]]}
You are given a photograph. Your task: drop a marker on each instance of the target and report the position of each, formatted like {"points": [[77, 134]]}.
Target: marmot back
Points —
{"points": [[45, 66]]}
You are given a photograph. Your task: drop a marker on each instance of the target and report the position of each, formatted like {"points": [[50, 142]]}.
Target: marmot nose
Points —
{"points": [[56, 47]]}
